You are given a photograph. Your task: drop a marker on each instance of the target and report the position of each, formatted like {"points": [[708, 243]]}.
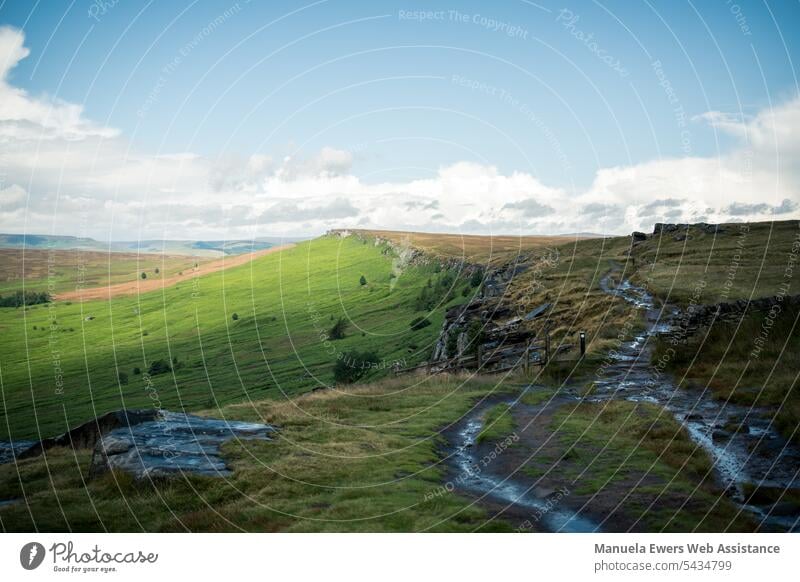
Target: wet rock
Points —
{"points": [[85, 436], [538, 311], [172, 444], [720, 435], [9, 450], [736, 426]]}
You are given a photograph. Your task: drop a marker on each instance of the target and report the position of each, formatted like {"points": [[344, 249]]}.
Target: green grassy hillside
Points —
{"points": [[251, 332]]}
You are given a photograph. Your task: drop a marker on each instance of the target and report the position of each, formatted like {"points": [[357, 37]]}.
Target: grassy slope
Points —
{"points": [[363, 459], [57, 271], [570, 282], [746, 260], [720, 358], [284, 303]]}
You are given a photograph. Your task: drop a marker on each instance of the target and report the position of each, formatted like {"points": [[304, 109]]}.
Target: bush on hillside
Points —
{"points": [[19, 299], [419, 322], [159, 367], [352, 366], [338, 329]]}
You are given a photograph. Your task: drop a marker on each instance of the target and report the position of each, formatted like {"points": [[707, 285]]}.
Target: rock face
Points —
{"points": [[661, 228], [172, 444], [502, 338]]}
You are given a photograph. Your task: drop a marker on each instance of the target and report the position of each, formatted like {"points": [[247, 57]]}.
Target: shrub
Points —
{"points": [[475, 337], [157, 271], [436, 293], [476, 279], [159, 367], [144, 275], [363, 280], [235, 316], [123, 378], [338, 329], [354, 365], [419, 322], [19, 299], [137, 371], [452, 341]]}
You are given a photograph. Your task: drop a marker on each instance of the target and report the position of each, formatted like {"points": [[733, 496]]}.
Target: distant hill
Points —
{"points": [[199, 248]]}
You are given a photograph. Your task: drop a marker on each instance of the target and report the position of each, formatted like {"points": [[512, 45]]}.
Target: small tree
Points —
{"points": [[363, 280], [476, 278], [419, 323], [338, 329], [144, 275], [123, 378], [235, 316], [353, 365], [157, 271], [159, 367]]}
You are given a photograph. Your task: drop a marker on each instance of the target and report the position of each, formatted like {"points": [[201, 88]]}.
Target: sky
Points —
{"points": [[125, 120]]}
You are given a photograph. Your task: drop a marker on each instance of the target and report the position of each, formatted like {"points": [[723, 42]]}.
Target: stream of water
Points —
{"points": [[753, 453]]}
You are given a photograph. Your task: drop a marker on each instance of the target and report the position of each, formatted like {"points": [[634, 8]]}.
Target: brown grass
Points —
{"points": [[471, 248]]}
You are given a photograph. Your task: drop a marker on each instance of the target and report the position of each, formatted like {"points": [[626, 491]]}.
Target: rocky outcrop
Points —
{"points": [[172, 444], [701, 316], [662, 228], [147, 442], [487, 325], [86, 435], [407, 253]]}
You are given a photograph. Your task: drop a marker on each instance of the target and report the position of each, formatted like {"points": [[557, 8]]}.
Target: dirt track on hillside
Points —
{"points": [[146, 285]]}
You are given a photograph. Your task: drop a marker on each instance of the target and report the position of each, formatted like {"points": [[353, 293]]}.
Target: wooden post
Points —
{"points": [[583, 343], [527, 362], [546, 345]]}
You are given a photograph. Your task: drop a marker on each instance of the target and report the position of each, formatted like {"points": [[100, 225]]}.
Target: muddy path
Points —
{"points": [[748, 454], [491, 472], [139, 286]]}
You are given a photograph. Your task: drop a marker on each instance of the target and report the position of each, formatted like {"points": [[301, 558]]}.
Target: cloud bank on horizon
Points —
{"points": [[63, 173]]}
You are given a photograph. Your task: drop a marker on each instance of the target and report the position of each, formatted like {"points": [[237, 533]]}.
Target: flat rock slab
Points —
{"points": [[10, 450], [172, 444]]}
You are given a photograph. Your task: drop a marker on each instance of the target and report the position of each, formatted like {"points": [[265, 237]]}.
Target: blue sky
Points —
{"points": [[539, 110]]}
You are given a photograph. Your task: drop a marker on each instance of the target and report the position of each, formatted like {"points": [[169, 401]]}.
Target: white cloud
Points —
{"points": [[66, 173]]}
